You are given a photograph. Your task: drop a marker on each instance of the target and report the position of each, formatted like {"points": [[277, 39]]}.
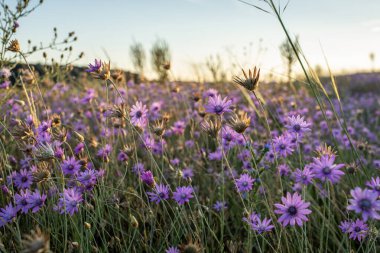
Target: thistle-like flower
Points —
{"points": [[44, 152], [325, 150], [211, 127], [239, 122], [36, 241], [158, 127], [14, 46], [250, 81], [100, 70]]}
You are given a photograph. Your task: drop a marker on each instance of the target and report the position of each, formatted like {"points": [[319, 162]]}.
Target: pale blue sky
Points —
{"points": [[348, 30]]}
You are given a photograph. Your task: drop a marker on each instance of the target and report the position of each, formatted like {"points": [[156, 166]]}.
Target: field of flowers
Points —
{"points": [[97, 163]]}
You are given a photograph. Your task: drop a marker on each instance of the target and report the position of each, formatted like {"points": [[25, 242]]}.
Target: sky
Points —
{"points": [[345, 31]]}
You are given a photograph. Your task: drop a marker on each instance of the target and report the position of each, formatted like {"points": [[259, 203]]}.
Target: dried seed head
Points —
{"points": [[27, 77], [325, 150], [41, 175], [55, 120], [239, 123], [158, 127], [166, 117], [129, 150], [36, 242], [211, 126], [118, 75], [250, 81], [44, 152], [118, 111], [14, 46]]}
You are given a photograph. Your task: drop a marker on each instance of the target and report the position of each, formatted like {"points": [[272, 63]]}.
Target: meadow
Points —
{"points": [[97, 162]]}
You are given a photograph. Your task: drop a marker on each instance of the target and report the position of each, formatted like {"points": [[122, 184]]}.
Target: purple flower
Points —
{"points": [[304, 176], [325, 169], [220, 205], [358, 230], [36, 200], [345, 226], [293, 210], [283, 146], [374, 184], [147, 178], [217, 105], [160, 193], [179, 127], [261, 226], [104, 152], [23, 179], [7, 214], [365, 202], [21, 201], [187, 173], [70, 166], [69, 201], [283, 169], [94, 68], [297, 125], [139, 114], [183, 194], [88, 177], [244, 183], [79, 148], [172, 250]]}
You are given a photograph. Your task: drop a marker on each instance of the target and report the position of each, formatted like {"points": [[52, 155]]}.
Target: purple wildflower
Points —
{"points": [[69, 201], [374, 184], [23, 179], [70, 166], [139, 114], [297, 125], [365, 202], [261, 226], [94, 68], [172, 250], [104, 152], [220, 205], [87, 177], [283, 170], [325, 169], [217, 105], [183, 194], [21, 201], [283, 146], [147, 178], [293, 210], [7, 214], [304, 176], [160, 193], [345, 226], [36, 200], [358, 230], [244, 183]]}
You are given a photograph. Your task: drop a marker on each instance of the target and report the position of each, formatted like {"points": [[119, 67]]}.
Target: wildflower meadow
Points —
{"points": [[95, 160]]}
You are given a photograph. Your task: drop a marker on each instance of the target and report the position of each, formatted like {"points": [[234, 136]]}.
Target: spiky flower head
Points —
{"points": [[158, 127], [14, 46], [36, 242], [100, 70], [211, 126], [325, 150], [239, 122], [250, 81]]}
